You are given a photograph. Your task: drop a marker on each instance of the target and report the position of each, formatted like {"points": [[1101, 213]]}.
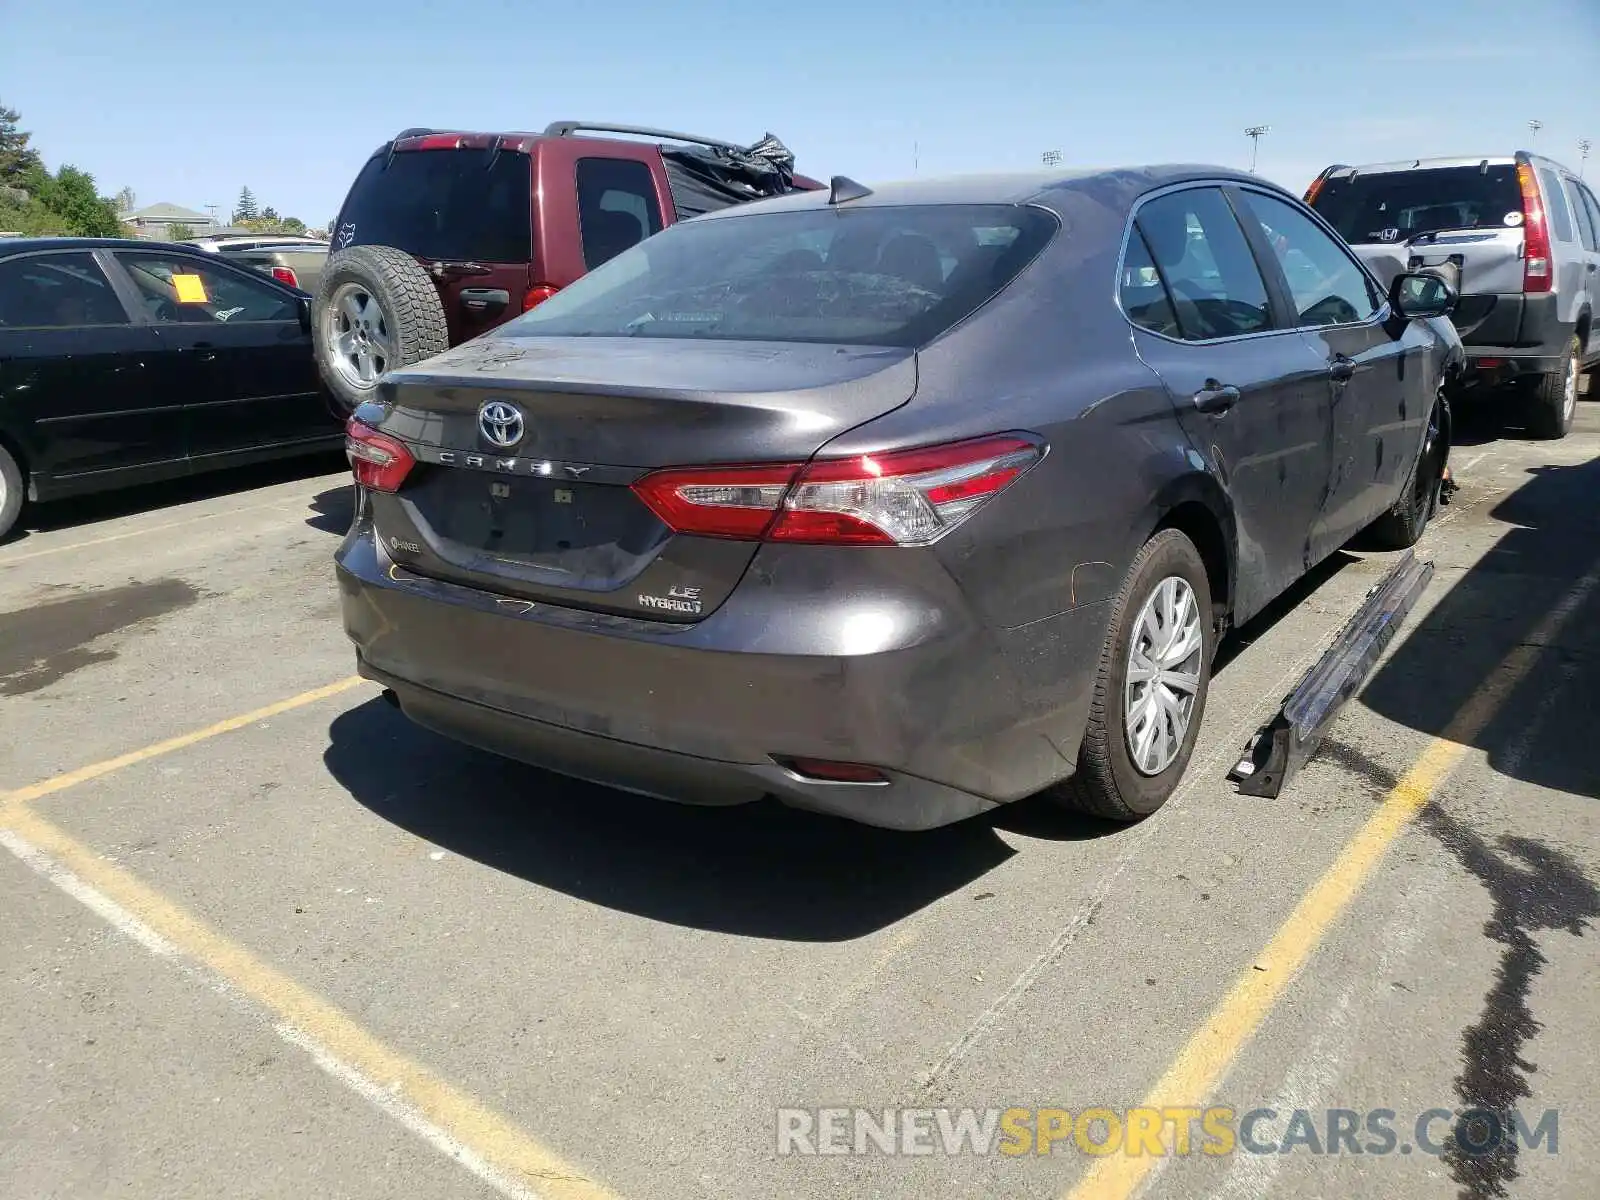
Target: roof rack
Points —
{"points": [[567, 128]]}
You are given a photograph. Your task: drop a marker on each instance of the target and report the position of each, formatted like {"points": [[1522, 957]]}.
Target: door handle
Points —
{"points": [[1341, 370], [1216, 397]]}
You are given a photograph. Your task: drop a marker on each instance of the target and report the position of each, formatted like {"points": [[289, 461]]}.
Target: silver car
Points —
{"points": [[1518, 236]]}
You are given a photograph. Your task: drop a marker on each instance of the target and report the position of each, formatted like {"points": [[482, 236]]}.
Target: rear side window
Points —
{"points": [[617, 207], [182, 291], [1556, 201], [873, 276], [57, 291], [456, 205], [1588, 219], [1144, 296], [1215, 285], [1395, 206]]}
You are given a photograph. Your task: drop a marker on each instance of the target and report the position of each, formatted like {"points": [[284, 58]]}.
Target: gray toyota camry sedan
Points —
{"points": [[896, 503]]}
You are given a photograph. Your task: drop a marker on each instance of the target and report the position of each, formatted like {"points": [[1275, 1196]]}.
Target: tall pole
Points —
{"points": [[1584, 145], [916, 157], [1534, 127], [1255, 133]]}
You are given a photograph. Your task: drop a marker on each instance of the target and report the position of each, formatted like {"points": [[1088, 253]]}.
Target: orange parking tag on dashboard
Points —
{"points": [[191, 289]]}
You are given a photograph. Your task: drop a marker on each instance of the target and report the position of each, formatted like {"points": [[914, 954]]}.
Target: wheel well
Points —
{"points": [[1200, 525]]}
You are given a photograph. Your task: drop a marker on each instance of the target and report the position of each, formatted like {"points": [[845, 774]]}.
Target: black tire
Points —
{"points": [[412, 313], [12, 492], [1551, 406], [1107, 784], [1403, 525]]}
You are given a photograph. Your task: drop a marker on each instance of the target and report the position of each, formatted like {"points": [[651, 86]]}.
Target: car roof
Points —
{"points": [[1018, 187], [16, 245], [1344, 170]]}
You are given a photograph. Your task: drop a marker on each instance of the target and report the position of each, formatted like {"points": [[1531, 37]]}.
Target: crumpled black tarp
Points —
{"points": [[706, 178]]}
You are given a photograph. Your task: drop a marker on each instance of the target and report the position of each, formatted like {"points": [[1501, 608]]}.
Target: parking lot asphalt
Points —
{"points": [[259, 937]]}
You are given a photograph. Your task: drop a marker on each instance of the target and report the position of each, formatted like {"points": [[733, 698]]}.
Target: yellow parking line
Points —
{"points": [[482, 1140], [1202, 1064], [57, 783], [117, 537]]}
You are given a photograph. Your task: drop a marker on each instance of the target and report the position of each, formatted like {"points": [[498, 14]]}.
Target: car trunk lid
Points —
{"points": [[549, 516]]}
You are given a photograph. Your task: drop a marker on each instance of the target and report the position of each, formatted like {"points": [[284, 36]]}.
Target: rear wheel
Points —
{"points": [[1554, 401], [11, 491], [376, 309], [1150, 689]]}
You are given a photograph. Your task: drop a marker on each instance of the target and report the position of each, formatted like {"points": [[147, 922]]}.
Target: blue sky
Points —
{"points": [[185, 104]]}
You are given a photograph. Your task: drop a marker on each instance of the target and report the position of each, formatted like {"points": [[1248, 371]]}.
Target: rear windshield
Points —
{"points": [[1395, 206], [446, 204], [891, 276]]}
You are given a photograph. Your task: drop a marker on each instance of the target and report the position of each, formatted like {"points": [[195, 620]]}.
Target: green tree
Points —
{"points": [[179, 232], [126, 200], [269, 214], [70, 195], [246, 209], [293, 225], [17, 158]]}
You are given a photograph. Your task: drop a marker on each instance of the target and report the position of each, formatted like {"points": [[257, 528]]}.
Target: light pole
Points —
{"points": [[1050, 158], [1535, 126], [1584, 145], [1255, 133]]}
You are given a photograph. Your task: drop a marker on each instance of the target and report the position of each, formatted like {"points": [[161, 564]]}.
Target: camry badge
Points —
{"points": [[501, 424]]}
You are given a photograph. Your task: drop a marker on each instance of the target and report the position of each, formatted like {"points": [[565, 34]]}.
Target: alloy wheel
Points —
{"points": [[358, 336]]}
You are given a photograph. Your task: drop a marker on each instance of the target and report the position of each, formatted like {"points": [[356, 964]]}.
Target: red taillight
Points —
{"points": [[1536, 274], [729, 502], [906, 498], [1316, 186], [537, 295], [437, 141], [286, 275], [377, 460]]}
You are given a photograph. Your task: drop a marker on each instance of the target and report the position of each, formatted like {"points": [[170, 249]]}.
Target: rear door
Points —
{"points": [[1251, 394], [1375, 390], [462, 206], [77, 387], [236, 343], [1586, 216]]}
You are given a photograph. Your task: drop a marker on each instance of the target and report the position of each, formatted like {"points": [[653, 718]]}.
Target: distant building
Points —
{"points": [[155, 221]]}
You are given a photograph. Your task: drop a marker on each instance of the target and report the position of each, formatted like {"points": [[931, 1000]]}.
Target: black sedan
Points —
{"points": [[895, 504], [124, 362]]}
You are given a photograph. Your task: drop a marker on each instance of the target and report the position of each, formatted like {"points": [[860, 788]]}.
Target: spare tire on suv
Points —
{"points": [[376, 309]]}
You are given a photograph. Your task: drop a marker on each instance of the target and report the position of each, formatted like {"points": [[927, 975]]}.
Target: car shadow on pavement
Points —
{"points": [[759, 870], [332, 511], [1543, 732], [128, 502]]}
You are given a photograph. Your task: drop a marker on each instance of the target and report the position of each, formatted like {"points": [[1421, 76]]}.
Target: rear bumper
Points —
{"points": [[957, 718], [1510, 336]]}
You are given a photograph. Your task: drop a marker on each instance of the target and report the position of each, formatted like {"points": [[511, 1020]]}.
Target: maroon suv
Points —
{"points": [[445, 235]]}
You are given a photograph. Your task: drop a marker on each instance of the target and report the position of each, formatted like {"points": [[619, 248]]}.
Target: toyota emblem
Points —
{"points": [[501, 424]]}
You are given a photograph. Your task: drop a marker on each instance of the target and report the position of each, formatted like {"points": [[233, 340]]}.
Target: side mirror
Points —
{"points": [[303, 304], [1418, 294]]}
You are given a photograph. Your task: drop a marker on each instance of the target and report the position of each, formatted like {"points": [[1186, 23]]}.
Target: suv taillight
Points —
{"points": [[1536, 273], [537, 295], [286, 275], [906, 498], [377, 460]]}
